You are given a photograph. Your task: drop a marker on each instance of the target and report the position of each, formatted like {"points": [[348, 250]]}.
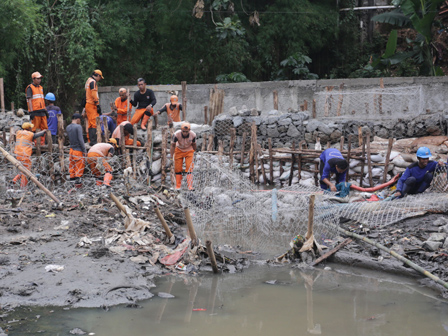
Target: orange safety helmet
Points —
{"points": [[36, 75], [174, 99], [185, 126], [98, 72]]}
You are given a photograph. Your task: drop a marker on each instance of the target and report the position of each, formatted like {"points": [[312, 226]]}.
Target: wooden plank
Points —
{"points": [[275, 93], [386, 163], [106, 129], [331, 252], [184, 100]]}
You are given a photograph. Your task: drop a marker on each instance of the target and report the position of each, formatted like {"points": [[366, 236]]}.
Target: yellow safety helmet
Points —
{"points": [[174, 99], [27, 125], [98, 72], [113, 142], [185, 126]]}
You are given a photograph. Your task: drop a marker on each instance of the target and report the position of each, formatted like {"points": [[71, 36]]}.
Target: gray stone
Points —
{"points": [[272, 119], [254, 112], [300, 116], [237, 121], [335, 136], [273, 112], [292, 132], [164, 295], [223, 200], [285, 122], [221, 117], [282, 129], [233, 111], [437, 237], [445, 244], [263, 129], [431, 245], [272, 132], [441, 221], [312, 125], [244, 113]]}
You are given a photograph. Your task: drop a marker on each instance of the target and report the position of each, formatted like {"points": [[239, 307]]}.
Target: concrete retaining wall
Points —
{"points": [[428, 96]]}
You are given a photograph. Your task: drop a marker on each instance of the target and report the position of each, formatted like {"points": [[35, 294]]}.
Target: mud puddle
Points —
{"points": [[261, 300]]}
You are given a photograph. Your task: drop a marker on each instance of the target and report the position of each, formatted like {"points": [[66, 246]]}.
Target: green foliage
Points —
{"points": [[297, 64], [230, 27], [234, 77]]}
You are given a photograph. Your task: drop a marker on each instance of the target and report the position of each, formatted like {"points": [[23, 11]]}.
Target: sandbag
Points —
{"points": [[400, 162]]}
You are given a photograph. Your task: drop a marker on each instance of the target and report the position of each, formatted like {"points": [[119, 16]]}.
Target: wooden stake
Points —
{"points": [[369, 161], [275, 99], [253, 139], [99, 137], [309, 232], [271, 162], [172, 172], [380, 98], [341, 100], [386, 163], [220, 152], [232, 144], [2, 95], [204, 142], [314, 108], [305, 105], [28, 174], [4, 137], [263, 171], [191, 232], [165, 226], [156, 119], [129, 110], [341, 143], [164, 144], [361, 178], [148, 144], [106, 130], [349, 148], [360, 136], [134, 154], [210, 142], [12, 107], [205, 115], [184, 100], [38, 151], [124, 151], [243, 147], [291, 171], [50, 150], [61, 145], [331, 252], [211, 255]]}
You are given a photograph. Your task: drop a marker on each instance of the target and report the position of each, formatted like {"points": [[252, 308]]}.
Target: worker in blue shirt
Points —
{"points": [[332, 161], [111, 122], [53, 112], [418, 176]]}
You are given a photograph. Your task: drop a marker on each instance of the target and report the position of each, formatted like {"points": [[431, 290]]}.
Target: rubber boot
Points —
{"points": [[107, 179], [190, 181], [23, 181], [15, 179], [144, 122], [178, 181], [99, 182], [92, 136]]}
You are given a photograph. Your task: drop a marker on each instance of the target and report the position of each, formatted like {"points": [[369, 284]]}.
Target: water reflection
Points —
{"points": [[295, 302]]}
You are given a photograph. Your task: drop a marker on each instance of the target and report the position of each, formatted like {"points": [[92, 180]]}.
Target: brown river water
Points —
{"points": [[341, 301]]}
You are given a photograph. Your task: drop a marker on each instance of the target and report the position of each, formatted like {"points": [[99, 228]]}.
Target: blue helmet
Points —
{"points": [[50, 96], [424, 153]]}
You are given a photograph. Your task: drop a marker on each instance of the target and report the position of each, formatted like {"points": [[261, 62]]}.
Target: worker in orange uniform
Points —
{"points": [[97, 161], [128, 131], [172, 110], [77, 150], [24, 149], [123, 106], [92, 107], [183, 145], [144, 99], [36, 104]]}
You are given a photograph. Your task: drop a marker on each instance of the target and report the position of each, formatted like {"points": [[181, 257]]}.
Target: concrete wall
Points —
{"points": [[431, 97]]}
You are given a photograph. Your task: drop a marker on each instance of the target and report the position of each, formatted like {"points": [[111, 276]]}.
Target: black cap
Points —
{"points": [[76, 116]]}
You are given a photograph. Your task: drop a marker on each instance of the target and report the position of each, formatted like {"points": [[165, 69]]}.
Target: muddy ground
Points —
{"points": [[36, 237]]}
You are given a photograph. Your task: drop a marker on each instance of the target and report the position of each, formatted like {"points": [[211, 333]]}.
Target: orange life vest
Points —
{"points": [[37, 100], [24, 143], [173, 114], [122, 106], [91, 94], [184, 144]]}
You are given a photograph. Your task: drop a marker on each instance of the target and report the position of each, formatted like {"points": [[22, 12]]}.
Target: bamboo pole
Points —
{"points": [[148, 145], [119, 205], [369, 161], [232, 144], [309, 232], [134, 154], [263, 171], [395, 255], [172, 172], [291, 172], [271, 162], [211, 255], [314, 109], [99, 137], [253, 137], [205, 115], [2, 95], [243, 145], [12, 107], [360, 136], [106, 129], [362, 163], [341, 143], [204, 142], [349, 148], [28, 174], [165, 226], [191, 231], [275, 92], [164, 144], [128, 93], [386, 163], [61, 145], [184, 100]]}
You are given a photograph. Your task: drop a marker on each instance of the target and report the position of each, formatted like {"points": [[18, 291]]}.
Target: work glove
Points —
{"points": [[98, 109]]}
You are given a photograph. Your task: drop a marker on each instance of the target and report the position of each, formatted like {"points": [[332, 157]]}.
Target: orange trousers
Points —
{"points": [[92, 159], [76, 163], [179, 157], [26, 162], [121, 118], [41, 123], [92, 113], [130, 142]]}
